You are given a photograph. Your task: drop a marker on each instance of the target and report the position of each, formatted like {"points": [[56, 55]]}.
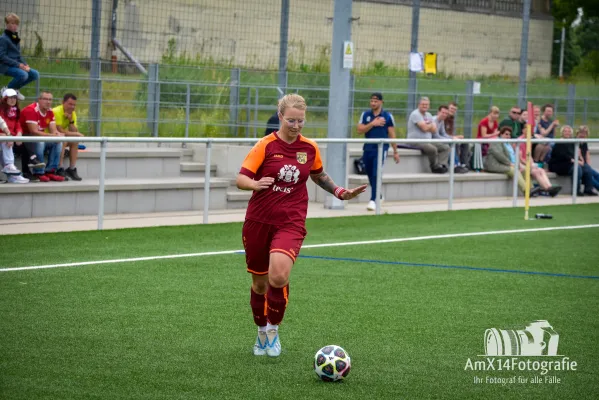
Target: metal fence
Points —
{"points": [[206, 68], [217, 102], [103, 141]]}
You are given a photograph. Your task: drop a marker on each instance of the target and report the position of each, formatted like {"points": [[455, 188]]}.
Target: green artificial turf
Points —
{"points": [[410, 314]]}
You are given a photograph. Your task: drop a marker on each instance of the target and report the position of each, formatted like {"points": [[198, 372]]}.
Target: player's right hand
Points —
{"points": [[263, 183]]}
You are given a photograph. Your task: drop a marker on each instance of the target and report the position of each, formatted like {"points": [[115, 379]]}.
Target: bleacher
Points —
{"points": [[171, 178]]}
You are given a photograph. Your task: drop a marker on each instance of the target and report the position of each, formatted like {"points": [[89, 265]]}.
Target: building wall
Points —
{"points": [[247, 33]]}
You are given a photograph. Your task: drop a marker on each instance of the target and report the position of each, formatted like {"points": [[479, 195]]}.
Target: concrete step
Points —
{"points": [[428, 186], [134, 162], [237, 199], [191, 169], [411, 162], [121, 196]]}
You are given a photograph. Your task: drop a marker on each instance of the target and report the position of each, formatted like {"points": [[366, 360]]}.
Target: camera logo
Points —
{"points": [[537, 339]]}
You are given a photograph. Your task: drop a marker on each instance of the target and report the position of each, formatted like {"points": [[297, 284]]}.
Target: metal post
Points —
{"points": [[248, 112], [256, 106], [284, 41], [153, 98], [469, 109], [524, 53], [413, 83], [37, 89], [561, 51], [585, 111], [94, 73], [352, 98], [101, 185], [490, 102], [207, 183], [157, 107], [516, 175], [575, 172], [234, 100], [187, 111], [555, 105], [451, 176], [571, 113], [338, 100], [379, 177]]}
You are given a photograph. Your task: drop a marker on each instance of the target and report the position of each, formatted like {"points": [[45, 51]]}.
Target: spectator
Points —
{"points": [[8, 157], [546, 128], [585, 154], [10, 112], [376, 124], [66, 123], [537, 173], [439, 120], [502, 159], [563, 163], [513, 121], [421, 126], [272, 125], [37, 119], [11, 62], [488, 128], [462, 150]]}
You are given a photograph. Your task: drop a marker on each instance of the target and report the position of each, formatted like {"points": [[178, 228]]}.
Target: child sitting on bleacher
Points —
{"points": [[9, 126]]}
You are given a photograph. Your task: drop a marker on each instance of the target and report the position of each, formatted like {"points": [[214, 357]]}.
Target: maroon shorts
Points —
{"points": [[259, 240]]}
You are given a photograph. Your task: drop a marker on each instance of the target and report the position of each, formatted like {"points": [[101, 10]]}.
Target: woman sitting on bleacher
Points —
{"points": [[562, 163], [501, 159]]}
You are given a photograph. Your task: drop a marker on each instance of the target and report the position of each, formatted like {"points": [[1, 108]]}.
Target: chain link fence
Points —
{"points": [[206, 68]]}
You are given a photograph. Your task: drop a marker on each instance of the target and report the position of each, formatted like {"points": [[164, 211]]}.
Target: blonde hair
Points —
{"points": [[566, 127], [494, 110], [583, 128], [291, 101], [12, 17]]}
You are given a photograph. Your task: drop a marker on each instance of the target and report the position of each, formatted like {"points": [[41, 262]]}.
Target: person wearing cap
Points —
{"points": [[8, 157], [11, 62], [10, 113], [376, 123]]}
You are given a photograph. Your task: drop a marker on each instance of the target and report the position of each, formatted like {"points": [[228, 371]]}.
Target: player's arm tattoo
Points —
{"points": [[324, 181]]}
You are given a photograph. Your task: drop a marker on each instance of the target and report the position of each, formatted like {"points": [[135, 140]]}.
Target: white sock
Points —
{"points": [[262, 329], [269, 327]]}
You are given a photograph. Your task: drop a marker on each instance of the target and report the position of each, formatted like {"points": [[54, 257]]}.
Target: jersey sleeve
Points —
{"points": [[361, 120], [390, 120], [254, 159], [28, 115], [317, 165]]}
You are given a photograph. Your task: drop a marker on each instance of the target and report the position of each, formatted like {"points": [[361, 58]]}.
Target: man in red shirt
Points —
{"points": [[276, 170], [37, 119]]}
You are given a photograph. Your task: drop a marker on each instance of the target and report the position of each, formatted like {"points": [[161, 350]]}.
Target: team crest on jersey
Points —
{"points": [[302, 158], [289, 173]]}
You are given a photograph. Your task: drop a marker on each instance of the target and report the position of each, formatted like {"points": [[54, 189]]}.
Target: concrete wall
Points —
{"points": [[247, 33]]}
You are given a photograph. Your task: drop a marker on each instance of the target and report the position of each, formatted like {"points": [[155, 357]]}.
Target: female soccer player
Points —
{"points": [[276, 170]]}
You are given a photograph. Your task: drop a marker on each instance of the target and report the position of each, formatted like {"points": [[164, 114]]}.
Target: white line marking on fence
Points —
{"points": [[310, 246]]}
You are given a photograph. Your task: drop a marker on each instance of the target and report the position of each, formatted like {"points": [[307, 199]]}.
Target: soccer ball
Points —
{"points": [[332, 363]]}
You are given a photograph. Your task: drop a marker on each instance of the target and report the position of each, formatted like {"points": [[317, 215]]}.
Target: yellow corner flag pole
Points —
{"points": [[528, 159]]}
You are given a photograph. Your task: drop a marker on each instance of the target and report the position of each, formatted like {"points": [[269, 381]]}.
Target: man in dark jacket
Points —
{"points": [[11, 62]]}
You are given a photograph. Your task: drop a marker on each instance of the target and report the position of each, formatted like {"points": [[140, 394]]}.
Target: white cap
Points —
{"points": [[9, 93]]}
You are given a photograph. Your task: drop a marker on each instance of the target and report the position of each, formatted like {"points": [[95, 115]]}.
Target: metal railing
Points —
{"points": [[103, 141]]}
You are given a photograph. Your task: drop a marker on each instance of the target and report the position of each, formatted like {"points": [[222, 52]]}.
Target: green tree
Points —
{"points": [[571, 50], [587, 35], [568, 9], [590, 66]]}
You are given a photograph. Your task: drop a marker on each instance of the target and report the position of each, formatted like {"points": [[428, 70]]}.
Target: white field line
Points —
{"points": [[310, 246]]}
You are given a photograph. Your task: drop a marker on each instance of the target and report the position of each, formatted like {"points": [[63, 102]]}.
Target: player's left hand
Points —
{"points": [[396, 157], [351, 193]]}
